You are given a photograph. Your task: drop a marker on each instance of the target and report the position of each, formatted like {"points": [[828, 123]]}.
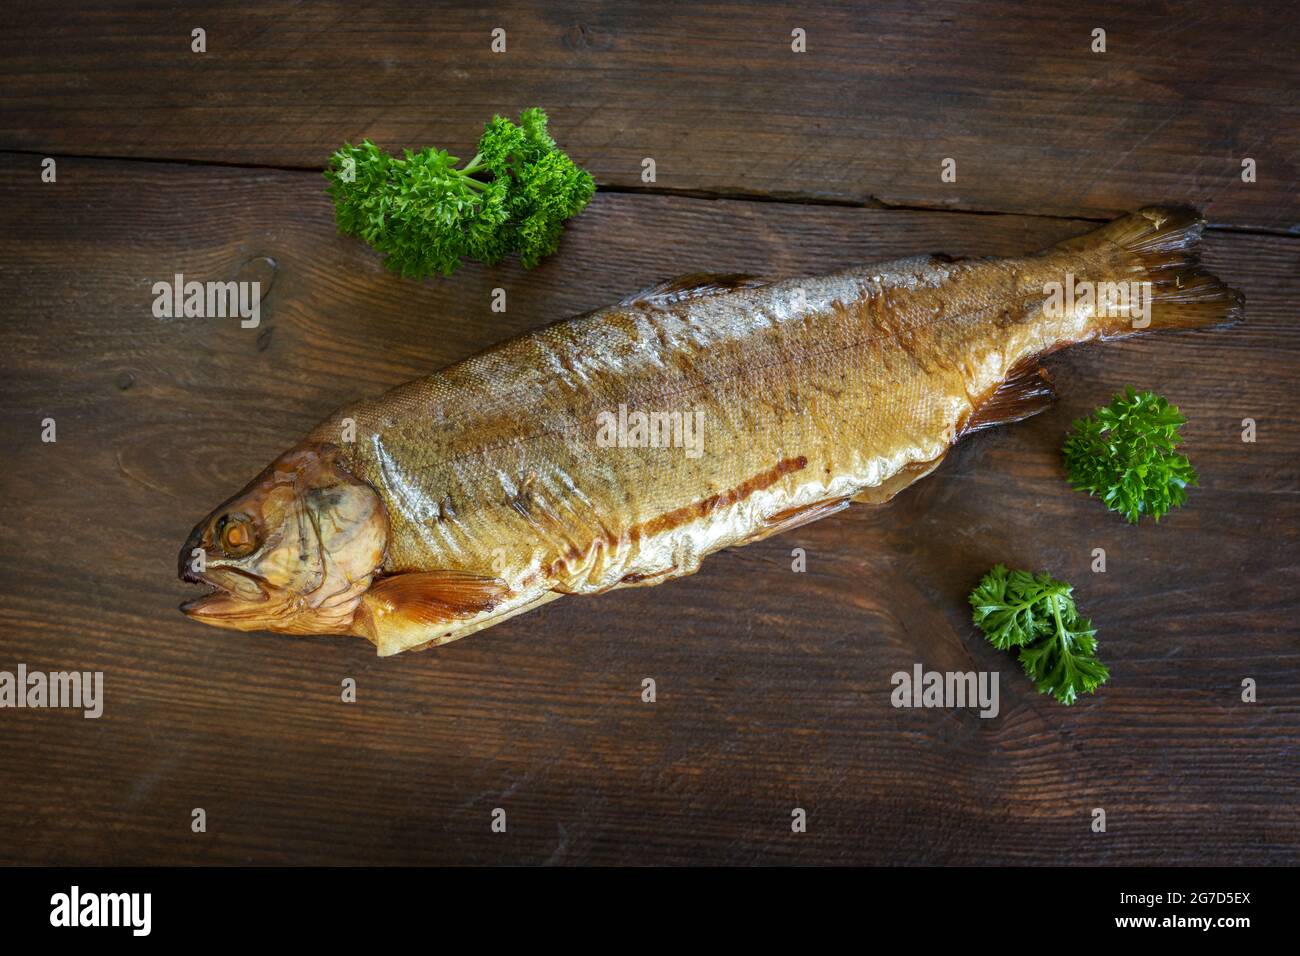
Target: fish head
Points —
{"points": [[293, 552]]}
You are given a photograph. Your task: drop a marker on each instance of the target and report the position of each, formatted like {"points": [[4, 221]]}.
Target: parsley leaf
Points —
{"points": [[1124, 454], [1036, 616], [426, 214]]}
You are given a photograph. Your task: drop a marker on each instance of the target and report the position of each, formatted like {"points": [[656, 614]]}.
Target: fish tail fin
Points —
{"points": [[1160, 245]]}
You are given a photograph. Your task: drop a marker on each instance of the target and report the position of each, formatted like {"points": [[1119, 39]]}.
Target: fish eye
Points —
{"points": [[236, 535]]}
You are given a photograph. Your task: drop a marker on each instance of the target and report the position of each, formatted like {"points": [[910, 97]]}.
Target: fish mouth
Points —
{"points": [[230, 591]]}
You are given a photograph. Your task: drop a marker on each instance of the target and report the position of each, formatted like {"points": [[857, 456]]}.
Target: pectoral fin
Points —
{"points": [[426, 607]]}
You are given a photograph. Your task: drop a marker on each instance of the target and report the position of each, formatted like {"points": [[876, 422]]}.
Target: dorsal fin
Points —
{"points": [[693, 285]]}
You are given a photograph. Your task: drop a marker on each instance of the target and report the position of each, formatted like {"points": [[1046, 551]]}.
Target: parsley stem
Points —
{"points": [[1056, 613]]}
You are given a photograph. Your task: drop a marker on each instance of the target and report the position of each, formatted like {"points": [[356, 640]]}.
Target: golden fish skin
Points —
{"points": [[521, 474]]}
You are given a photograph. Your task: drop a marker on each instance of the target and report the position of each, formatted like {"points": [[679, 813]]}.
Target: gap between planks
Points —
{"points": [[707, 195]]}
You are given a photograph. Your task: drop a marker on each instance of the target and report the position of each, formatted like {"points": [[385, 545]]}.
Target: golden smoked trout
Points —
{"points": [[619, 448]]}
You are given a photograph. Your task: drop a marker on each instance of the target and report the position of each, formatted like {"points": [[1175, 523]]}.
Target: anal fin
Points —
{"points": [[1026, 391]]}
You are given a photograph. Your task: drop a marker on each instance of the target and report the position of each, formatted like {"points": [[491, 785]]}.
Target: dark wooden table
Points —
{"points": [[773, 687]]}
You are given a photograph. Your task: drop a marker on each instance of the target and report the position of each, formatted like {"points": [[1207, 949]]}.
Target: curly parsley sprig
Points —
{"points": [[1124, 454], [1037, 616], [425, 214]]}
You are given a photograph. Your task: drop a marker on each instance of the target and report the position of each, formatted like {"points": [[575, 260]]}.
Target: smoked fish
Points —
{"points": [[621, 447]]}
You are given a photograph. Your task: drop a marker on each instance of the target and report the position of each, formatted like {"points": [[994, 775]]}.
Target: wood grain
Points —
{"points": [[773, 686], [1036, 121]]}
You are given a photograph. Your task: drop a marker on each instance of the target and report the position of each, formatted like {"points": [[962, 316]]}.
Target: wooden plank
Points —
{"points": [[773, 686], [1036, 121]]}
